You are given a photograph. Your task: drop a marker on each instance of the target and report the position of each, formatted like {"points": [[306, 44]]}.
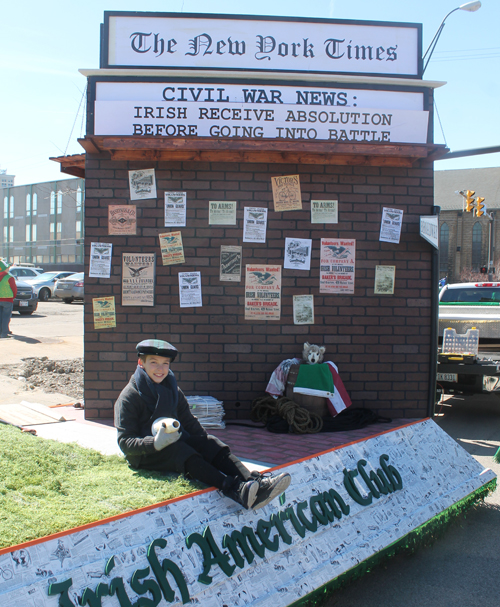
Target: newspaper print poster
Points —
{"points": [[230, 263], [303, 309], [104, 312], [297, 253], [138, 279], [100, 259], [324, 211], [222, 213], [175, 209], [385, 277], [142, 184], [262, 292], [338, 259], [390, 227], [286, 193], [254, 224], [172, 251], [190, 289], [122, 220]]}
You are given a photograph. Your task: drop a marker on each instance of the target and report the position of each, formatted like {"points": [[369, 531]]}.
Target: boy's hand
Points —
{"points": [[164, 438]]}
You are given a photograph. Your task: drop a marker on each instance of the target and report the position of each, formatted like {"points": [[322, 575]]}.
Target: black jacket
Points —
{"points": [[133, 422]]}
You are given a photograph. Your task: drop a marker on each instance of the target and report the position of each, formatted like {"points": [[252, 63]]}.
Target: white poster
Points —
{"points": [[337, 266], [100, 259], [222, 213], [142, 184], [324, 211], [190, 289], [303, 309], [390, 227], [298, 253], [254, 224], [175, 209]]}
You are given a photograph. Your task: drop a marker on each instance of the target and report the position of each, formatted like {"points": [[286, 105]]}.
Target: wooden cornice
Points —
{"points": [[72, 165], [206, 149]]}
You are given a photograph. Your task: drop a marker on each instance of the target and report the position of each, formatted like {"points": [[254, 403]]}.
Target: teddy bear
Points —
{"points": [[312, 355]]}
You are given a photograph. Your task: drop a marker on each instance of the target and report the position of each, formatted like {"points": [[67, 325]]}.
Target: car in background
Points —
{"points": [[22, 272], [44, 284], [470, 293], [26, 301], [70, 288]]}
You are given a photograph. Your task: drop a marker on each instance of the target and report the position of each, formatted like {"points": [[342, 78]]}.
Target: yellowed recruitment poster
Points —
{"points": [[324, 211], [338, 260], [122, 219], [286, 193], [138, 279], [222, 213], [262, 292], [172, 251], [104, 312], [385, 277]]}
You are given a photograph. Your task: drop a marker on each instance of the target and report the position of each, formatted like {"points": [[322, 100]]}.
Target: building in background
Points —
{"points": [[6, 181], [42, 223], [468, 243]]}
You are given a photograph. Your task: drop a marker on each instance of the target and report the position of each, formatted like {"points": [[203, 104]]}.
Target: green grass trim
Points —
{"points": [[423, 535], [47, 487]]}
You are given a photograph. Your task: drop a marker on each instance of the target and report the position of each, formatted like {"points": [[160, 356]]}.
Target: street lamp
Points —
{"points": [[471, 7]]}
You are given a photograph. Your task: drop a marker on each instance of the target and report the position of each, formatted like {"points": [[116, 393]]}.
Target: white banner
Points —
{"points": [[342, 508], [241, 120], [232, 42]]}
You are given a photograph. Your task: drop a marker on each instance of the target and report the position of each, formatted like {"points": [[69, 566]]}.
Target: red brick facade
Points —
{"points": [[381, 344]]}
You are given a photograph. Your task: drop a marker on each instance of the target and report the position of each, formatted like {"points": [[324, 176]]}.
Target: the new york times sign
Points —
{"points": [[236, 42]]}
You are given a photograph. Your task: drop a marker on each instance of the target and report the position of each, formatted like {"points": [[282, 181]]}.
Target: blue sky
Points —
{"points": [[43, 44]]}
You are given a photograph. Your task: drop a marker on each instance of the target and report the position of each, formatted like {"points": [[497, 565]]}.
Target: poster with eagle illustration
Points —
{"points": [[262, 292], [338, 261]]}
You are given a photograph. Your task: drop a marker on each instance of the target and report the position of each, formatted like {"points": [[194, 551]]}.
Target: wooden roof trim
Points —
{"points": [[72, 165]]}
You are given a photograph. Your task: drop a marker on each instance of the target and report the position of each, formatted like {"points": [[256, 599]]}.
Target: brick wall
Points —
{"points": [[380, 343]]}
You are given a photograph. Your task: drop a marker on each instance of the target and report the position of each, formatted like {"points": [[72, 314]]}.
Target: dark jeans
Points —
{"points": [[5, 314]]}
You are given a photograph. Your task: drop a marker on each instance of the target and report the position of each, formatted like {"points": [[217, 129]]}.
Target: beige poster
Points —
{"points": [[338, 260], [286, 193], [222, 213], [172, 251], [303, 309], [138, 279], [122, 219], [263, 292], [104, 312], [324, 211], [385, 277]]}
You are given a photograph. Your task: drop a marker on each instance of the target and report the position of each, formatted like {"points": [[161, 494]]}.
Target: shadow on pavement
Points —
{"points": [[26, 340]]}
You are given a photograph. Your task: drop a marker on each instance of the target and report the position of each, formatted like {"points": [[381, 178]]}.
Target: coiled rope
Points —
{"points": [[300, 420]]}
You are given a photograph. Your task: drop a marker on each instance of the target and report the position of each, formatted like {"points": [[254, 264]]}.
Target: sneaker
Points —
{"points": [[270, 487], [243, 493]]}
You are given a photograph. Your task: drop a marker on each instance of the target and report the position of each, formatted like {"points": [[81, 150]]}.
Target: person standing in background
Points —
{"points": [[8, 291]]}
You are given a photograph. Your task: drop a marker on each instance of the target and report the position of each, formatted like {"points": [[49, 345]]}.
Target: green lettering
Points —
{"points": [[278, 521], [311, 525], [211, 555], [239, 538], [93, 599], [62, 588], [318, 509], [117, 586], [391, 472], [145, 586], [361, 464], [160, 573], [292, 517], [352, 489], [336, 503], [264, 531]]}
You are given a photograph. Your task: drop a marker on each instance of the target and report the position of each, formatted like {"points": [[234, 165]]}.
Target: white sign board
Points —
{"points": [[206, 549], [234, 42], [429, 229]]}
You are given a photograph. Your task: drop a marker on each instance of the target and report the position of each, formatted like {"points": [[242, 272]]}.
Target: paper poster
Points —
{"points": [[230, 263], [122, 220], [384, 280], [390, 228], [338, 259], [104, 312], [222, 213], [172, 251], [324, 211], [100, 259], [262, 292], [175, 209], [138, 279], [190, 289], [142, 184], [303, 309], [254, 224], [298, 253], [286, 193]]}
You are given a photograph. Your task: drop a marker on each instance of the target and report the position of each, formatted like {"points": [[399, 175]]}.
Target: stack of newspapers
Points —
{"points": [[208, 410]]}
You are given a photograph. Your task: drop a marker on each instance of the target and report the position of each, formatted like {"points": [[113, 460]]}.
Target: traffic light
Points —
{"points": [[480, 206], [469, 200], [483, 270]]}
